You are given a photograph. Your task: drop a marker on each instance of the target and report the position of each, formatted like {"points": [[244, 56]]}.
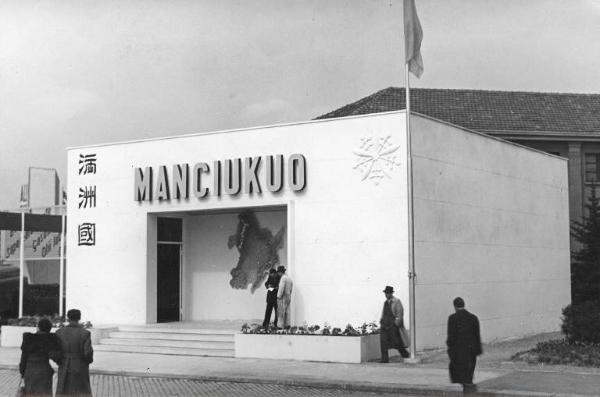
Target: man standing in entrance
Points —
{"points": [[392, 323], [464, 345], [77, 355], [284, 296], [271, 285]]}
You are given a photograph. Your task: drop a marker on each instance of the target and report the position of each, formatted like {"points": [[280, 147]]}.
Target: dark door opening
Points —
{"points": [[168, 270]]}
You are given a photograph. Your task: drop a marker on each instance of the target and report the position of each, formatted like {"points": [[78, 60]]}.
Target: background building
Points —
{"points": [[41, 199]]}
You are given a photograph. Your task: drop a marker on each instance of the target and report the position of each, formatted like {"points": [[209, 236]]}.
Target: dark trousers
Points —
{"points": [[390, 339], [271, 305]]}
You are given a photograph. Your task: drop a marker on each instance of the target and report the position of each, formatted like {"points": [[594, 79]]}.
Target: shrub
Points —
{"points": [[365, 329], [581, 322], [560, 351], [32, 321], [585, 262]]}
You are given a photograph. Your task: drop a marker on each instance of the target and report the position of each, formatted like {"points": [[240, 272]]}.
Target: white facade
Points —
{"points": [[491, 225]]}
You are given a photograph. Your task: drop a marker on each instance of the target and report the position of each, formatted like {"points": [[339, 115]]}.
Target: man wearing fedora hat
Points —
{"points": [[284, 297], [392, 325]]}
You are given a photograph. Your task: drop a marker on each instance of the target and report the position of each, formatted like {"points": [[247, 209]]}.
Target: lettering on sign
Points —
{"points": [[86, 234], [87, 164], [87, 196], [222, 177]]}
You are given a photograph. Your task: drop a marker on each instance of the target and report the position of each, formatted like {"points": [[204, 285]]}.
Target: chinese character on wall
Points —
{"points": [[86, 234], [87, 197], [87, 164]]}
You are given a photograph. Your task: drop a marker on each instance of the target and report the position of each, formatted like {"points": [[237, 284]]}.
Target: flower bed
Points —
{"points": [[560, 351], [364, 329], [314, 343]]}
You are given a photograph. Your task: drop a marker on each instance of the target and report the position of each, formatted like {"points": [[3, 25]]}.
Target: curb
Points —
{"points": [[421, 390]]}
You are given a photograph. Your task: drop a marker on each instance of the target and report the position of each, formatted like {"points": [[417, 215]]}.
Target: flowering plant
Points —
{"points": [[364, 329], [32, 321]]}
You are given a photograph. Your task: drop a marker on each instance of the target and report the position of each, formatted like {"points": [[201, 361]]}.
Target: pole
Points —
{"points": [[411, 229], [21, 263], [61, 283]]}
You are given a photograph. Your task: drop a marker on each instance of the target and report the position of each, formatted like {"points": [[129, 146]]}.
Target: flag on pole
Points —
{"points": [[24, 199], [413, 35]]}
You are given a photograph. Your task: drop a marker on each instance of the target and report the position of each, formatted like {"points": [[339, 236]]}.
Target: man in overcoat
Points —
{"points": [[271, 285], [392, 320], [77, 355], [464, 345], [284, 298]]}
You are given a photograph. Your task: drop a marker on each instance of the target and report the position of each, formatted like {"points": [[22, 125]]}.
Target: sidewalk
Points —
{"points": [[494, 376]]}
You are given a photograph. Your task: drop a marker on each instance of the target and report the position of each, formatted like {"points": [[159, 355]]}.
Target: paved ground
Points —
{"points": [[495, 374], [580, 383], [130, 386]]}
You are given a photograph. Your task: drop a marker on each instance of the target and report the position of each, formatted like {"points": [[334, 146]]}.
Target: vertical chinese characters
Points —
{"points": [[87, 199]]}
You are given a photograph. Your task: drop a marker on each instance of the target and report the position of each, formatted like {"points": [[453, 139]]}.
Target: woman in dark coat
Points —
{"points": [[36, 351]]}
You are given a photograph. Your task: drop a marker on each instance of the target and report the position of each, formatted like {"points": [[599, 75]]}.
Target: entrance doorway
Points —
{"points": [[168, 269]]}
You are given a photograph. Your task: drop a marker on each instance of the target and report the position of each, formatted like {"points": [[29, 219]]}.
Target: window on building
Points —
{"points": [[592, 167]]}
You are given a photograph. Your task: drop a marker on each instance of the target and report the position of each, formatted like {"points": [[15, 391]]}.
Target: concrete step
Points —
{"points": [[191, 331], [172, 336], [178, 351], [211, 345]]}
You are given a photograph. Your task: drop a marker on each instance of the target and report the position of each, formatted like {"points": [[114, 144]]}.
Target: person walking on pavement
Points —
{"points": [[77, 352], [393, 335], [36, 351], [271, 285], [284, 297], [464, 345]]}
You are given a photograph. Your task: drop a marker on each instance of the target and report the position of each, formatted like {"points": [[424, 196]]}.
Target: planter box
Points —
{"points": [[342, 349], [12, 335]]}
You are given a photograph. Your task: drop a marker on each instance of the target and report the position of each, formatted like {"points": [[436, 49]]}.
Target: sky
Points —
{"points": [[78, 72]]}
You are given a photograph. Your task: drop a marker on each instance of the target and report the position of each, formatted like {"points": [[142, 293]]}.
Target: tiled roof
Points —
{"points": [[501, 112]]}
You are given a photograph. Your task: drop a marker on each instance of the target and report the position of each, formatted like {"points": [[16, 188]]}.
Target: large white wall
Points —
{"points": [[491, 226], [347, 235]]}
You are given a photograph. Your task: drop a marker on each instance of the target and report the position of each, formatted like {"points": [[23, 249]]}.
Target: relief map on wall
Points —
{"points": [[258, 249]]}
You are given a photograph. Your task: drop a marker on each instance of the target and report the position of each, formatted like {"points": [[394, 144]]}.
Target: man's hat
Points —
{"points": [[272, 270], [388, 289], [281, 269]]}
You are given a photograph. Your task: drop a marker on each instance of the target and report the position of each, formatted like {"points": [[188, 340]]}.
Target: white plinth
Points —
{"points": [[12, 335], [343, 349]]}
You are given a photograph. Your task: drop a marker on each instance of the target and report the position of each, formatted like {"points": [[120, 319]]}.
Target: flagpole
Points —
{"points": [[411, 229], [21, 262]]}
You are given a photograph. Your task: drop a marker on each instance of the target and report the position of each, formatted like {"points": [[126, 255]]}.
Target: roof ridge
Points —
{"points": [[492, 110], [359, 104], [371, 98], [498, 91]]}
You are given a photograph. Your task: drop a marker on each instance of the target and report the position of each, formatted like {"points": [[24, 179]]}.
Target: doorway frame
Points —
{"points": [[152, 241]]}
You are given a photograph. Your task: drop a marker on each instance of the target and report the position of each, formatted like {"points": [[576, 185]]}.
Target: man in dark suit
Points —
{"points": [[392, 323], [464, 345], [77, 355], [271, 285]]}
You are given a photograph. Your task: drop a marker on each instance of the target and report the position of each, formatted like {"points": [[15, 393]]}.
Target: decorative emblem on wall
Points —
{"points": [[376, 158]]}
